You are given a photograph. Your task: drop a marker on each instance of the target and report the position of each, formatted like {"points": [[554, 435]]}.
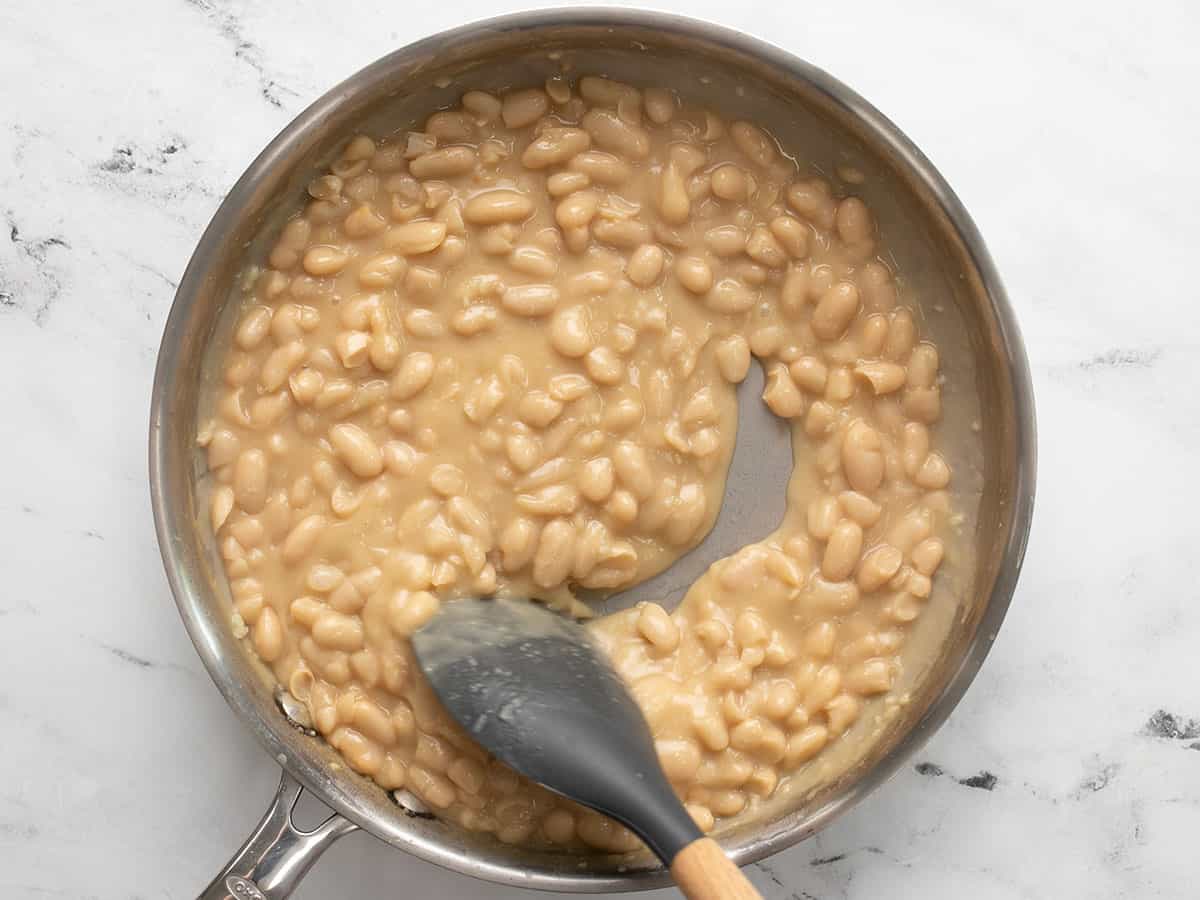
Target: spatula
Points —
{"points": [[533, 688]]}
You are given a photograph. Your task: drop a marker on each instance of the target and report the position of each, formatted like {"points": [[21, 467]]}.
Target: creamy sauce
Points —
{"points": [[498, 355]]}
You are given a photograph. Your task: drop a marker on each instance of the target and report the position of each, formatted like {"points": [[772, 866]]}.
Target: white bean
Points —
{"points": [[610, 132], [555, 553], [521, 108], [569, 331], [555, 146], [357, 450], [413, 238], [498, 206], [416, 371], [645, 265], [862, 457], [633, 468], [530, 299]]}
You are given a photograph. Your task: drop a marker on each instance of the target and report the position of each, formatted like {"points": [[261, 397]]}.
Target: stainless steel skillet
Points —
{"points": [[935, 243]]}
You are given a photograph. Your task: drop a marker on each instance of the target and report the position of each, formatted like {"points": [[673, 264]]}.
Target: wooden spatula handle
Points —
{"points": [[704, 872]]}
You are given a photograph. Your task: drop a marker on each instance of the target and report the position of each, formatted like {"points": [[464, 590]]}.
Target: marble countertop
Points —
{"points": [[1072, 767]]}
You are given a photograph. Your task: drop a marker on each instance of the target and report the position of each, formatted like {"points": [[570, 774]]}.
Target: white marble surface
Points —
{"points": [[1069, 129]]}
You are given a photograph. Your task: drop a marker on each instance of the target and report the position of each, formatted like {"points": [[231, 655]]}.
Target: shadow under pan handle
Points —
{"points": [[277, 855]]}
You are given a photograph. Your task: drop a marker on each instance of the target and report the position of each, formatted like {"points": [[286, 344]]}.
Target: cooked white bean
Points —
{"points": [[633, 469], [449, 125], [423, 323], [533, 261], [498, 206], [862, 457], [726, 240], [694, 274], [754, 142], [839, 386], [569, 387], [871, 677], [353, 348], [674, 204], [268, 635], [792, 235], [923, 366], [577, 210], [861, 508], [812, 200], [555, 553], [254, 327], [448, 480], [474, 320], [569, 331], [901, 335], [530, 299], [933, 474], [482, 104], [558, 89], [447, 162], [409, 610], [645, 265], [605, 91], [323, 261], [521, 108], [601, 167], [596, 479], [927, 555], [730, 296], [357, 450], [729, 182], [604, 366], [835, 310], [878, 567], [823, 516], [382, 270], [781, 393], [302, 538], [611, 132], [923, 404], [414, 238], [538, 408], [842, 550], [884, 377], [335, 631], [555, 146], [687, 515], [762, 247], [660, 104], [280, 363], [555, 500], [562, 183], [416, 371], [854, 225], [250, 480], [518, 542], [659, 630], [624, 233], [733, 358]]}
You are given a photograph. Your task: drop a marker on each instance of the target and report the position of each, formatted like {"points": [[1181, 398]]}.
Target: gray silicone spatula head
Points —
{"points": [[533, 688]]}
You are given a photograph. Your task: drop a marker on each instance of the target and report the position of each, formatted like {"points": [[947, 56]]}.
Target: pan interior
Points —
{"points": [[945, 270]]}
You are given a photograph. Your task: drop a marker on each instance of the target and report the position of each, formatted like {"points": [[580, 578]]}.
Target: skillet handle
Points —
{"points": [[277, 855]]}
